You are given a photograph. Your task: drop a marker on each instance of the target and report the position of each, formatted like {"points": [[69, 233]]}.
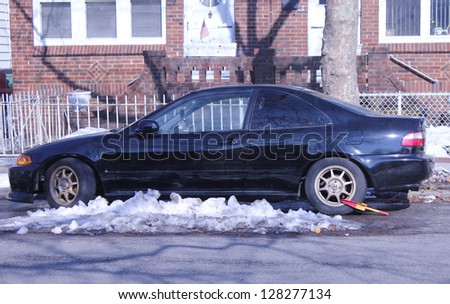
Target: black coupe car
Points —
{"points": [[259, 141]]}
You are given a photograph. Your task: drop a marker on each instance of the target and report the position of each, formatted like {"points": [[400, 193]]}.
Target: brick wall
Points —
{"points": [[271, 44], [271, 48], [101, 69]]}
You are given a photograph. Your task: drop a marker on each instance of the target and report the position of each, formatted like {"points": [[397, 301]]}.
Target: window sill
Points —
{"points": [[415, 39], [210, 50]]}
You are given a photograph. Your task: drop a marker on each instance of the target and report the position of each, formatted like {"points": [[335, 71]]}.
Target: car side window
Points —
{"points": [[219, 112], [282, 110]]}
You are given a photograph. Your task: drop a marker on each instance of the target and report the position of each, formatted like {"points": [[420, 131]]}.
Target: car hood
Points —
{"points": [[86, 146]]}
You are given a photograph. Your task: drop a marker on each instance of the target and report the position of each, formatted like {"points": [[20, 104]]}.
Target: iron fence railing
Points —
{"points": [[30, 120], [27, 120]]}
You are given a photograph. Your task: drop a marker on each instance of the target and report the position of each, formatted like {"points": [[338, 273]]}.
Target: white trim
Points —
{"points": [[5, 36], [425, 37], [79, 31], [316, 21]]}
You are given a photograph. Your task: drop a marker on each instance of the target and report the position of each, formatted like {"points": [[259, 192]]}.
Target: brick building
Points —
{"points": [[138, 47]]}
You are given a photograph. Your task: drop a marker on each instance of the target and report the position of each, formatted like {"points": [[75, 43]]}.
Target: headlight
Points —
{"points": [[23, 160]]}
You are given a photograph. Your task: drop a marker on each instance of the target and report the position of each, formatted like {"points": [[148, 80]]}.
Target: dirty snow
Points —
{"points": [[437, 139], [146, 213]]}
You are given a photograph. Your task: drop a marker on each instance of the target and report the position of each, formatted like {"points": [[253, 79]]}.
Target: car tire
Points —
{"points": [[69, 181], [332, 179]]}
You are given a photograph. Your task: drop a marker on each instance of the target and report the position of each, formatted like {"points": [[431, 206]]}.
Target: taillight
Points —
{"points": [[414, 139]]}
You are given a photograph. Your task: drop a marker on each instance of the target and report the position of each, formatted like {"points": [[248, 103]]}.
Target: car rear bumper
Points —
{"points": [[400, 172]]}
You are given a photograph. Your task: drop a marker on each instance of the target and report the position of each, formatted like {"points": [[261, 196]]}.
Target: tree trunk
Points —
{"points": [[339, 71]]}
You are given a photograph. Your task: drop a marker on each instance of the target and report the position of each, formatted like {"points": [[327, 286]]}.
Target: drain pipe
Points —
{"points": [[412, 70]]}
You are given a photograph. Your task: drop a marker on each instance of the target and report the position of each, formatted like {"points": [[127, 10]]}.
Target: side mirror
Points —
{"points": [[147, 126]]}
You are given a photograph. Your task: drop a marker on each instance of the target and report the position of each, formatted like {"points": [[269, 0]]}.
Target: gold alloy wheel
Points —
{"points": [[333, 183], [64, 185]]}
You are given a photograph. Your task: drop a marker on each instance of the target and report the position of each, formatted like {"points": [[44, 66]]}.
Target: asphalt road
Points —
{"points": [[410, 245]]}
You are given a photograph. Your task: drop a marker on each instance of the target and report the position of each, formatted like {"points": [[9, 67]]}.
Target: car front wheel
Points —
{"points": [[69, 181], [329, 180]]}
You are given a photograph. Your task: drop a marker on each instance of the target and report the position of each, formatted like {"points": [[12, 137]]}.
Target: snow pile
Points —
{"points": [[145, 213], [437, 139], [4, 180]]}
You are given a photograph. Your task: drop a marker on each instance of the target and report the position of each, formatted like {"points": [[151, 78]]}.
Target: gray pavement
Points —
{"points": [[442, 163], [6, 162]]}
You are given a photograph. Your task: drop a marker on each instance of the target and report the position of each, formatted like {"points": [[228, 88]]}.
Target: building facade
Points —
{"points": [[168, 47]]}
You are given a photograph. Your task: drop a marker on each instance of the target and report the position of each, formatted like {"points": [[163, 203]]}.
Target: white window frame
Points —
{"points": [[79, 26], [424, 37]]}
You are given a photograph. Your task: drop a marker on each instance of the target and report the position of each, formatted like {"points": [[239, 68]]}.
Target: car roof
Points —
{"points": [[252, 86], [315, 94]]}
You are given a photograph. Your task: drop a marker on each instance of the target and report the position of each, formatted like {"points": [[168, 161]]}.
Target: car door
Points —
{"points": [[195, 150], [287, 134]]}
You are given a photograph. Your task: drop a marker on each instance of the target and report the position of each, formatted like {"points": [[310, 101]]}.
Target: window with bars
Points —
{"points": [[440, 17], [403, 17], [414, 20]]}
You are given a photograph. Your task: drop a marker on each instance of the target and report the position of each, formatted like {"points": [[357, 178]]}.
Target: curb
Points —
{"points": [[442, 160], [429, 196], [7, 161]]}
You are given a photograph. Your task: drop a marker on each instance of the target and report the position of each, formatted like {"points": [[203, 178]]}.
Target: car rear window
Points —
{"points": [[346, 105], [282, 110]]}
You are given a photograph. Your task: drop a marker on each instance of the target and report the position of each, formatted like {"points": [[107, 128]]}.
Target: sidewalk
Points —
{"points": [[6, 162], [442, 163]]}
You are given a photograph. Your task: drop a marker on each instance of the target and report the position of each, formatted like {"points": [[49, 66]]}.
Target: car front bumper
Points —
{"points": [[400, 172], [24, 183]]}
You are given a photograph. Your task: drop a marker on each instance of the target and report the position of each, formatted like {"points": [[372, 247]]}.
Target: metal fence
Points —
{"points": [[435, 107], [28, 120]]}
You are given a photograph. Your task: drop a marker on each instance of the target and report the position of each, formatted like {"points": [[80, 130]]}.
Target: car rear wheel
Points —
{"points": [[69, 181], [331, 179]]}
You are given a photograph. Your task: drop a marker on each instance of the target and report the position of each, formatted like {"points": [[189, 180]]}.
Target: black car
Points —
{"points": [[259, 141]]}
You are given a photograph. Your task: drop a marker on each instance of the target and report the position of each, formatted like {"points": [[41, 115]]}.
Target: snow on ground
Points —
{"points": [[146, 213], [437, 139], [4, 182]]}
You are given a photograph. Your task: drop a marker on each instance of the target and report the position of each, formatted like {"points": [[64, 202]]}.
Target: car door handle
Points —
{"points": [[224, 143], [232, 142]]}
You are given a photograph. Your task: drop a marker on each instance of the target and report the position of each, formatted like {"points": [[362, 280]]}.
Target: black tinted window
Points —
{"points": [[281, 110]]}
